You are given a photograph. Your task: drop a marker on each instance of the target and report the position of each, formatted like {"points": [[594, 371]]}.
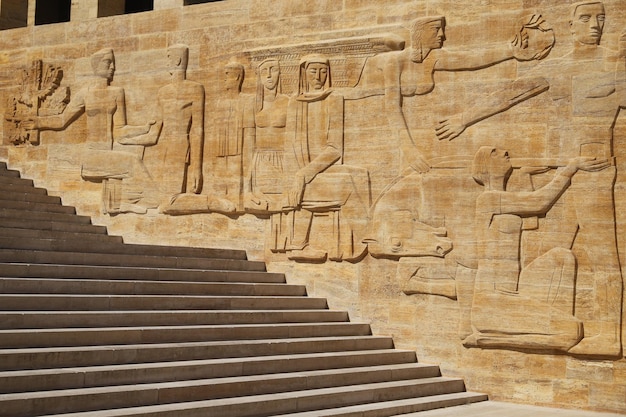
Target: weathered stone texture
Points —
{"points": [[364, 156]]}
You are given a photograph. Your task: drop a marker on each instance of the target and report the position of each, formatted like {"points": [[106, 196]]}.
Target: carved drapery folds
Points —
{"points": [[532, 235]]}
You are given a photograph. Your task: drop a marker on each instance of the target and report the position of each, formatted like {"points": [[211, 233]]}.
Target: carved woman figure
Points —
{"points": [[264, 172], [103, 158], [410, 72], [530, 307]]}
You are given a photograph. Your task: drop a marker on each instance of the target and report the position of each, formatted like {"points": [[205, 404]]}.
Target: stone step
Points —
{"points": [[13, 213], [21, 270], [135, 287], [88, 399], [53, 302], [29, 223], [107, 259], [10, 194], [64, 357], [9, 173], [84, 319], [401, 407], [32, 207], [181, 251], [314, 399], [22, 338], [78, 239], [127, 374], [19, 182]]}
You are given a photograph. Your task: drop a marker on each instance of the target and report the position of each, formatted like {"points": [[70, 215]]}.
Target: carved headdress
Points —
{"points": [[260, 90], [303, 93]]}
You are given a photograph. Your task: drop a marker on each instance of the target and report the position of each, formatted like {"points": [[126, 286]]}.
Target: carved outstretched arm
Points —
{"points": [[75, 108], [120, 128], [147, 139], [519, 91], [467, 61], [540, 201]]}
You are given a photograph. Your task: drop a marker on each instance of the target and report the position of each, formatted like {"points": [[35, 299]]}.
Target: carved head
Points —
{"points": [[268, 78], [269, 73], [233, 76], [427, 33], [314, 74], [103, 63], [177, 58], [490, 162], [587, 22]]}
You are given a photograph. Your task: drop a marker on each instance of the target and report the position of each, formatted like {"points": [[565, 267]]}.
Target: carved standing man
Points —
{"points": [[235, 125], [175, 162], [582, 110]]}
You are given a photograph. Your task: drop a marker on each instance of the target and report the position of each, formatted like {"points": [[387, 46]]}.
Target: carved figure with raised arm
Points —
{"points": [[329, 200], [581, 106], [515, 306], [127, 185], [410, 72]]}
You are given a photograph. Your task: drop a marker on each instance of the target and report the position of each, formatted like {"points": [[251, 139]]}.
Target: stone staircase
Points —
{"points": [[90, 326]]}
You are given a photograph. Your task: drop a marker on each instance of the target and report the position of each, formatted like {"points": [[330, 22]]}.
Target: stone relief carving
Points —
{"points": [[323, 191], [265, 173], [582, 104], [175, 161], [542, 291], [39, 94], [280, 155], [127, 185]]}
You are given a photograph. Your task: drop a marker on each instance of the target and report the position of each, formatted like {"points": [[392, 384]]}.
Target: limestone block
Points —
{"points": [[452, 172]]}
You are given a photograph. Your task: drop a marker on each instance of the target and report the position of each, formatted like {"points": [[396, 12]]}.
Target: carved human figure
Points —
{"points": [[235, 126], [175, 162], [581, 110], [127, 185], [264, 178], [410, 72], [323, 193], [530, 307]]}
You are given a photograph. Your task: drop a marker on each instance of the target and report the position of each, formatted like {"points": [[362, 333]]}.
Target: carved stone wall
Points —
{"points": [[454, 174]]}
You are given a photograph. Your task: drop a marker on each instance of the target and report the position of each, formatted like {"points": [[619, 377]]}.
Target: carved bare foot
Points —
{"points": [[220, 205], [606, 343], [132, 208], [308, 254]]}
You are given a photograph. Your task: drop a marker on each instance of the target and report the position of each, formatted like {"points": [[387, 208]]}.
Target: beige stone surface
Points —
{"points": [[427, 165]]}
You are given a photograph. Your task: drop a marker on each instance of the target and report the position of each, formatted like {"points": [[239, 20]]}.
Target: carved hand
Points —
{"points": [[590, 164], [294, 195], [448, 129], [31, 123], [534, 39], [196, 179], [585, 163]]}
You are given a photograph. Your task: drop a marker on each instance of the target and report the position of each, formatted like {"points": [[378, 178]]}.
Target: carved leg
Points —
{"points": [[595, 211]]}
